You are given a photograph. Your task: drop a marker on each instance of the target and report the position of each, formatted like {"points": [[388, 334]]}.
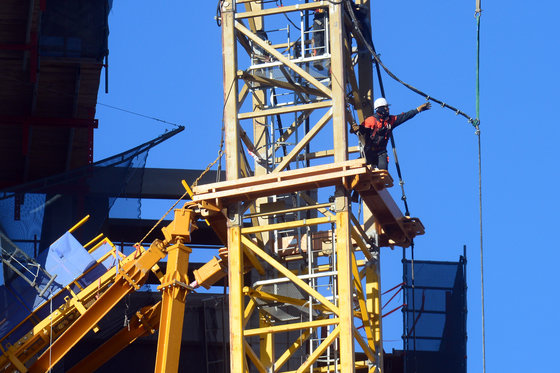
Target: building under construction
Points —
{"points": [[295, 224]]}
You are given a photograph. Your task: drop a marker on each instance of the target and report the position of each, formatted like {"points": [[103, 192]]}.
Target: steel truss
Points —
{"points": [[318, 301]]}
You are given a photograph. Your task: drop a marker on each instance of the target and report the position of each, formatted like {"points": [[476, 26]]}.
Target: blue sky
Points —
{"points": [[165, 61]]}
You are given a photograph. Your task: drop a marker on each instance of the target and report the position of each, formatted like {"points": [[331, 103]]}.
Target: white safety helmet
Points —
{"points": [[380, 102]]}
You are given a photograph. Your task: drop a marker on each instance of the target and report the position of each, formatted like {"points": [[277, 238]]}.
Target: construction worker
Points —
{"points": [[320, 19], [377, 128]]}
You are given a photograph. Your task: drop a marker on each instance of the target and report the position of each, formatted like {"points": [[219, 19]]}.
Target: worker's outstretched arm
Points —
{"points": [[401, 118]]}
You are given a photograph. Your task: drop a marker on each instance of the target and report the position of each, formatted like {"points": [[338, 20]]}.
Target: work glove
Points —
{"points": [[355, 127], [424, 107]]}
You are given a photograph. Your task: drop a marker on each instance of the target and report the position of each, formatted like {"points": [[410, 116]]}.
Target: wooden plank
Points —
{"points": [[397, 229], [281, 185], [286, 175]]}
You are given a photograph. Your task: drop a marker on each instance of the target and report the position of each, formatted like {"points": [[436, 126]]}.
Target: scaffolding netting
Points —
{"points": [[39, 258], [63, 33], [435, 314]]}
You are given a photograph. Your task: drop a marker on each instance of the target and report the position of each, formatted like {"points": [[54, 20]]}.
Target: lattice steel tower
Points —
{"points": [[294, 78]]}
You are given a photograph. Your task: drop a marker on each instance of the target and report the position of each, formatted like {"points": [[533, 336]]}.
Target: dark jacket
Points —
{"points": [[377, 131]]}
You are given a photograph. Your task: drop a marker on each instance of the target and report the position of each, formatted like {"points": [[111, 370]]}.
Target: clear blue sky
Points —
{"points": [[165, 61]]}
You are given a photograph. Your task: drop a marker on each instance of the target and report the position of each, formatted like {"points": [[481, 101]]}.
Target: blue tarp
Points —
{"points": [[67, 259]]}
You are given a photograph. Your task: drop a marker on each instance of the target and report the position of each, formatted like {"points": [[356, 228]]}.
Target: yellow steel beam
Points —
{"points": [[369, 353], [133, 275], [253, 259], [255, 23], [290, 130], [254, 358], [35, 340], [286, 272], [284, 110], [345, 288], [243, 93], [236, 307], [283, 359], [359, 239], [338, 83], [247, 141], [145, 322], [246, 76], [306, 139], [78, 224], [287, 225], [229, 56], [16, 363], [373, 292], [365, 68], [267, 354], [290, 327], [364, 315], [285, 211], [286, 61], [319, 350], [174, 292], [254, 293], [251, 306], [355, 232], [358, 227], [100, 235]]}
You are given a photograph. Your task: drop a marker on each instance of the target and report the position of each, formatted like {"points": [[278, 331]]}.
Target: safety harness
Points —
{"points": [[380, 130]]}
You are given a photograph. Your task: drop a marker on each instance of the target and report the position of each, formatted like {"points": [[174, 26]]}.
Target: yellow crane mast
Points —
{"points": [[291, 208]]}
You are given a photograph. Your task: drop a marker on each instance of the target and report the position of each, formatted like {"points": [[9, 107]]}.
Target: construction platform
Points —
{"points": [[395, 228]]}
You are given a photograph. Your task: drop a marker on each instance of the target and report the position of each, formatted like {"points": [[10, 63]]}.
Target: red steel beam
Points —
{"points": [[49, 121]]}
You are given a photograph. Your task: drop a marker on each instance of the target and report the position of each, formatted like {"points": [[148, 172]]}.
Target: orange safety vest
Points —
{"points": [[380, 130]]}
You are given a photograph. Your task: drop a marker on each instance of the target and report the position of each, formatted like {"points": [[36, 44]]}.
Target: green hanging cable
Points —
{"points": [[478, 12]]}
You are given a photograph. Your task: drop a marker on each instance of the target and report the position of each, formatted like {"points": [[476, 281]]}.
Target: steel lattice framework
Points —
{"points": [[287, 104]]}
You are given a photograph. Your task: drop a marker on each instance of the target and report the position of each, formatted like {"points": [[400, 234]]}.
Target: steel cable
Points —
{"points": [[371, 48]]}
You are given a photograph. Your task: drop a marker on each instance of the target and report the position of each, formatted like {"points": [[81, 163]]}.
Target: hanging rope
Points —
{"points": [[478, 13], [139, 114]]}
